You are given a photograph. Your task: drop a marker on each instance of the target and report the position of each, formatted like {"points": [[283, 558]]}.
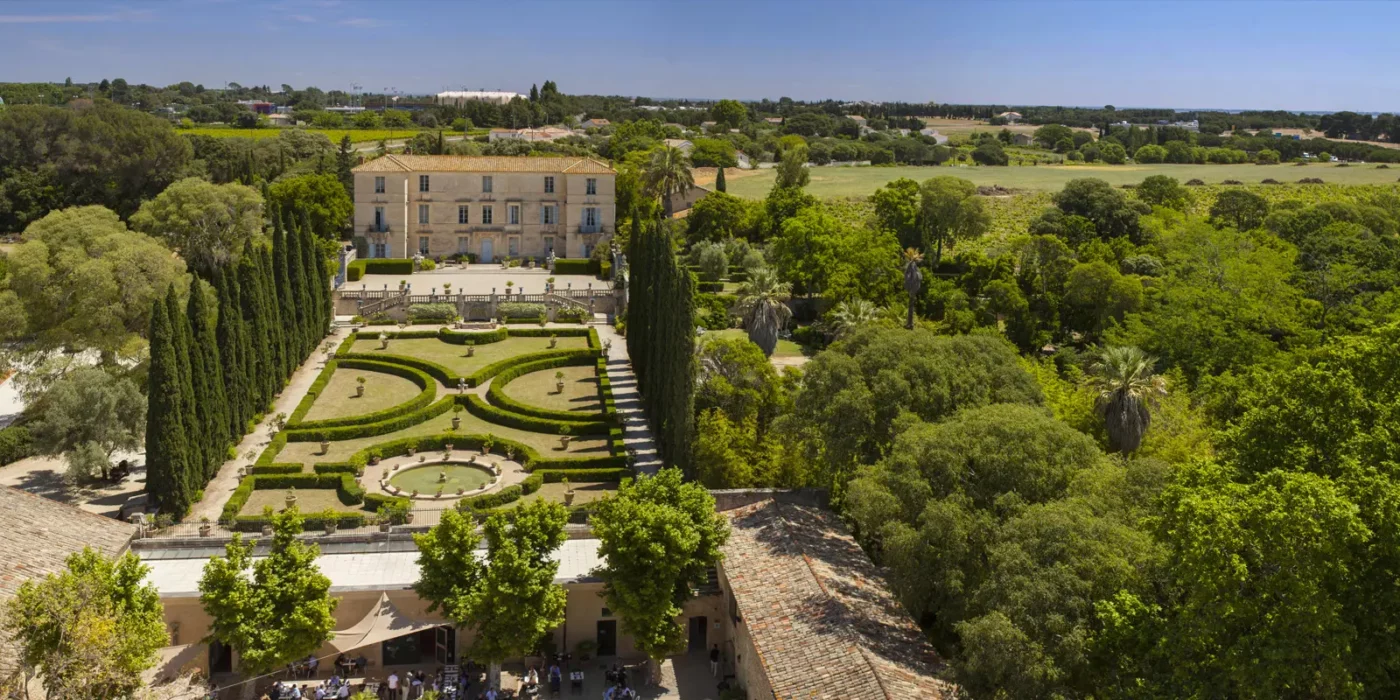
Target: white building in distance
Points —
{"points": [[460, 97]]}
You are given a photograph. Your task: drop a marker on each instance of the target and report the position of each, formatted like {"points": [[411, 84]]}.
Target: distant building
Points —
{"points": [[546, 134], [938, 138], [684, 144], [745, 162], [461, 97], [773, 120], [345, 110], [1010, 117], [856, 118], [1022, 139], [707, 125], [256, 106], [281, 119], [595, 123]]}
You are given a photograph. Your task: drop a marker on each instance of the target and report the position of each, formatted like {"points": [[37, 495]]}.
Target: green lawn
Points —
{"points": [[583, 492], [309, 453], [454, 357], [861, 182], [338, 400], [538, 389], [786, 348], [308, 501], [356, 135]]}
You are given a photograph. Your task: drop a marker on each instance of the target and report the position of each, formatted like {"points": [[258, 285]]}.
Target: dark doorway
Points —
{"points": [[410, 648], [607, 638], [446, 645], [698, 629], [220, 658]]}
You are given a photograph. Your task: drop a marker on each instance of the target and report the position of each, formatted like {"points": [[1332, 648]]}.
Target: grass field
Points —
{"points": [[537, 389], [356, 135], [454, 357], [786, 348], [338, 399], [861, 182]]}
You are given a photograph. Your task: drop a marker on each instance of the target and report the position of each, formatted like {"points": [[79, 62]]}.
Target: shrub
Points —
{"points": [[496, 368], [388, 266], [393, 510], [1268, 181], [498, 397], [265, 469], [432, 312], [1310, 181], [432, 369], [571, 314], [574, 266], [709, 287], [360, 430], [472, 337], [15, 444], [1231, 182], [1195, 182], [518, 309], [347, 489], [577, 476], [509, 494], [310, 521]]}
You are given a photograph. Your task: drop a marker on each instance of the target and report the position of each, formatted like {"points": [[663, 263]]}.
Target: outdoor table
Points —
{"points": [[576, 681]]}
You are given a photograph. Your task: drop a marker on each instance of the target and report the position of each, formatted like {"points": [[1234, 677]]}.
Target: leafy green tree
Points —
{"points": [[1097, 297], [365, 120], [730, 113], [283, 611], [320, 198], [852, 314], [990, 153], [83, 280], [713, 153], [949, 212], [818, 253], [718, 216], [90, 629], [1128, 385], [396, 119], [783, 203], [897, 207], [1267, 156], [1163, 191], [1050, 134], [328, 120], [720, 185], [1242, 209], [449, 570], [792, 169], [668, 174], [1113, 153], [206, 223], [1112, 214], [735, 377], [1151, 153], [714, 262], [657, 538], [86, 416]]}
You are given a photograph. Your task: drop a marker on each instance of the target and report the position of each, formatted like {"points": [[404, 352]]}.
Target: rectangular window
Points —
{"points": [[381, 250], [591, 186], [590, 218], [423, 245], [379, 185], [549, 184], [485, 183], [549, 214], [462, 214], [514, 246], [423, 214], [463, 244], [487, 214], [422, 183], [513, 214], [548, 244], [379, 219]]}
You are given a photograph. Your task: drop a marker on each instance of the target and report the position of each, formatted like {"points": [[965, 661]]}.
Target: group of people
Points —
{"points": [[334, 687]]}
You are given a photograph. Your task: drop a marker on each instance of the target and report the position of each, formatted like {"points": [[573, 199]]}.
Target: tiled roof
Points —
{"points": [[484, 164], [819, 613], [39, 534]]}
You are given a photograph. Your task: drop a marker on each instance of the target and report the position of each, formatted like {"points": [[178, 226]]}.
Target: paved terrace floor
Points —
{"points": [[480, 279]]}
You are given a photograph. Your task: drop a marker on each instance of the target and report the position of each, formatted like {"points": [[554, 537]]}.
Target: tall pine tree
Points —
{"points": [[167, 453], [231, 344], [261, 374], [317, 286], [276, 338], [297, 310], [206, 363], [281, 271], [719, 181], [183, 338]]}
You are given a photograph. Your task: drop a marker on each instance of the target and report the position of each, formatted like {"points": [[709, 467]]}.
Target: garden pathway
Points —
{"points": [[217, 492], [636, 433]]}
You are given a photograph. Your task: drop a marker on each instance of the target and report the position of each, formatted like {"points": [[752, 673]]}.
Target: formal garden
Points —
{"points": [[419, 419]]}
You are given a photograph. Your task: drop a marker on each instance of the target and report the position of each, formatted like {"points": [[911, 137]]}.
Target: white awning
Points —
{"points": [[383, 622]]}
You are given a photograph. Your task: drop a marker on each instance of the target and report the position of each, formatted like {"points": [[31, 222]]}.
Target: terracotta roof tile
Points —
{"points": [[484, 164], [821, 617]]}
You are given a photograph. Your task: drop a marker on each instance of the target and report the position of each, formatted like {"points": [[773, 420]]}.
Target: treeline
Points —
{"points": [[661, 338], [215, 371]]}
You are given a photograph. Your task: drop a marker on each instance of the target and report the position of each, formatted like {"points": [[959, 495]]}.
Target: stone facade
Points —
{"points": [[490, 207]]}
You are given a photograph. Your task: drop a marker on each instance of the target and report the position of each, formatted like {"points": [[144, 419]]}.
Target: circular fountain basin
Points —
{"points": [[450, 476]]}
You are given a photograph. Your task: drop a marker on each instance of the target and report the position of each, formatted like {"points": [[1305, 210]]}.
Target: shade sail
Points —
{"points": [[383, 622]]}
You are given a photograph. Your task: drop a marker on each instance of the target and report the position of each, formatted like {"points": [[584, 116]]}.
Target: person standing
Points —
{"points": [[393, 686], [714, 660]]}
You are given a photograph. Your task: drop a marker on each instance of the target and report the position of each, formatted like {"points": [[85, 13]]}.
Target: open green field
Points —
{"points": [[454, 357], [538, 389], [338, 400], [861, 182], [356, 135]]}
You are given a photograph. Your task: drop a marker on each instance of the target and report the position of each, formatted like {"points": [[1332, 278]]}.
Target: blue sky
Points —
{"points": [[1237, 54]]}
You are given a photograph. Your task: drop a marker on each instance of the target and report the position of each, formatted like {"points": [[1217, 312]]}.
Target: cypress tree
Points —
{"points": [[284, 294], [297, 310], [230, 344], [206, 363], [189, 414], [639, 298], [317, 285], [276, 333], [166, 455], [255, 316], [719, 181]]}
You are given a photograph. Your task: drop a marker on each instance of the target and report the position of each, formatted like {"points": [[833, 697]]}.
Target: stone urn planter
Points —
{"points": [[383, 341], [412, 450], [385, 526], [325, 446], [330, 526], [471, 352], [564, 441], [291, 499], [422, 458], [267, 530], [359, 387], [456, 422], [409, 517], [568, 495], [374, 459], [448, 447], [205, 528]]}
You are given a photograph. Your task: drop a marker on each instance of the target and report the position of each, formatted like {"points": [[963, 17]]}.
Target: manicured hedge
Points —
{"points": [[375, 501], [473, 337], [498, 397], [420, 313], [573, 266], [346, 487], [500, 416], [519, 309], [270, 452], [583, 476], [265, 469], [359, 430], [709, 287], [532, 460], [310, 521], [572, 314], [605, 393], [387, 266], [336, 468], [426, 386], [496, 368], [433, 369]]}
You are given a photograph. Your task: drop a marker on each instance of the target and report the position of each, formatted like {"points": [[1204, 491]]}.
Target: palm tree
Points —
{"points": [[761, 304], [849, 315], [913, 280], [667, 174], [1127, 384]]}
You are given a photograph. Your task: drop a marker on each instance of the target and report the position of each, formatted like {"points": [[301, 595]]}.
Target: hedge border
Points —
{"points": [[532, 460], [362, 430], [478, 407], [346, 486], [450, 378], [426, 386], [496, 394]]}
